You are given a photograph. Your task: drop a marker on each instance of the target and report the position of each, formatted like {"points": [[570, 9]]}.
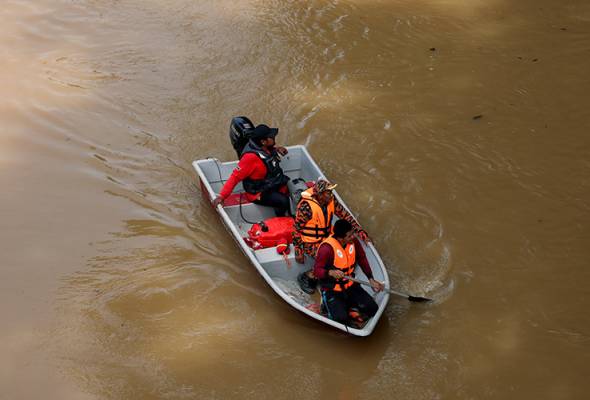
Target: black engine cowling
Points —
{"points": [[296, 187], [239, 133]]}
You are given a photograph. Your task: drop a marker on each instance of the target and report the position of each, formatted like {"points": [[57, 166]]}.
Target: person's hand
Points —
{"points": [[281, 150], [336, 273], [218, 200], [376, 285], [300, 258], [362, 234]]}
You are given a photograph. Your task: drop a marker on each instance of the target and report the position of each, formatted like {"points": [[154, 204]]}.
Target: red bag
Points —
{"points": [[280, 230]]}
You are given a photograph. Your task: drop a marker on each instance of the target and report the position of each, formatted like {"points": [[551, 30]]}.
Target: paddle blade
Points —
{"points": [[418, 299]]}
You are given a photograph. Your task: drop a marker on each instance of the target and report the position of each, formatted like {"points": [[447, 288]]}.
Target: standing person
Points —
{"points": [[336, 258], [313, 224], [259, 170]]}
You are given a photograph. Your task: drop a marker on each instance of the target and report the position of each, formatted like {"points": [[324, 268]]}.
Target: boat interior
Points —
{"points": [[242, 213]]}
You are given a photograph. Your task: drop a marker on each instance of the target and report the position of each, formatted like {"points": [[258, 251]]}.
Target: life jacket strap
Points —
{"points": [[315, 232]]}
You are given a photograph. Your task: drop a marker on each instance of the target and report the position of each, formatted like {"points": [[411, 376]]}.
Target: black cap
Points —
{"points": [[263, 131]]}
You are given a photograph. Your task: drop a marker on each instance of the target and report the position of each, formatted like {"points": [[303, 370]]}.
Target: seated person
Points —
{"points": [[313, 222], [337, 257], [259, 170]]}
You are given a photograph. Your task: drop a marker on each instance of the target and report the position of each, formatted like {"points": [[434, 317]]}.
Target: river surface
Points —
{"points": [[457, 131]]}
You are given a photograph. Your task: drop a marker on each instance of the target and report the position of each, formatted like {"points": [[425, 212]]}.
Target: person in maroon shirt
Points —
{"points": [[260, 173], [339, 295]]}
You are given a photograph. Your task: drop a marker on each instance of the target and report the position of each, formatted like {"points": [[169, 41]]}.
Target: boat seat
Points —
{"points": [[234, 198], [276, 265], [270, 254]]}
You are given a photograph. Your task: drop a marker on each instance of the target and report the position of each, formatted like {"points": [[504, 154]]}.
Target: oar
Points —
{"points": [[407, 296]]}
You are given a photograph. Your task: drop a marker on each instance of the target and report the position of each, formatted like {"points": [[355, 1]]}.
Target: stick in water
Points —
{"points": [[407, 296]]}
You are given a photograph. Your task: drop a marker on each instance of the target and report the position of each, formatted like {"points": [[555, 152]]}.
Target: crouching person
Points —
{"points": [[337, 257]]}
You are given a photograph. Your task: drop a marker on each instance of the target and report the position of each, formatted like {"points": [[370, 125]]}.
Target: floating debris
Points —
{"points": [[478, 116]]}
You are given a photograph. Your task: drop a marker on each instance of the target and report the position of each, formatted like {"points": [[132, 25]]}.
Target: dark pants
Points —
{"points": [[276, 200], [338, 303]]}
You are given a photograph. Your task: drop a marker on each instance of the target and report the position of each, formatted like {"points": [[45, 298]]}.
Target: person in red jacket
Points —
{"points": [[336, 258], [260, 173]]}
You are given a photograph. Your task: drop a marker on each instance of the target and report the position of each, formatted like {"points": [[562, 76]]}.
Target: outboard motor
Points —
{"points": [[296, 187], [239, 133]]}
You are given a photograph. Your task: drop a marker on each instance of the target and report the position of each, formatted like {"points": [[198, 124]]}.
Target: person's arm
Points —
{"points": [[245, 167], [324, 259], [279, 149], [342, 213], [302, 215]]}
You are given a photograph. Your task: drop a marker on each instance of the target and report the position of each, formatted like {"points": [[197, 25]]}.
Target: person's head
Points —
{"points": [[323, 191], [343, 231], [264, 136]]}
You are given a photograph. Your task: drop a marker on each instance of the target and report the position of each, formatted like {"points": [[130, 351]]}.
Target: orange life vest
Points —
{"points": [[319, 226], [344, 260]]}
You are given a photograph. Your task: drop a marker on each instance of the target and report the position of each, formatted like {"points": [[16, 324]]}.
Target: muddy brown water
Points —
{"points": [[457, 132]]}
